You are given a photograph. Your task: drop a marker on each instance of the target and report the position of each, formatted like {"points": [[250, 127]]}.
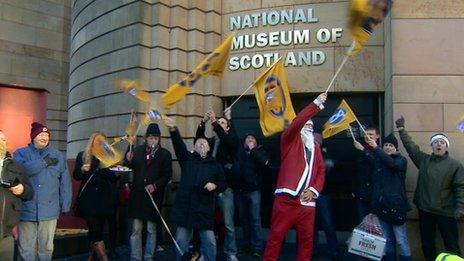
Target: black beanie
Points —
{"points": [[153, 130], [391, 139]]}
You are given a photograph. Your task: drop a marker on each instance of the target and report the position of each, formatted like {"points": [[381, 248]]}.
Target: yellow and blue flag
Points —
{"points": [[213, 64], [273, 98], [339, 121], [106, 154], [460, 124], [364, 16], [151, 115], [134, 88]]}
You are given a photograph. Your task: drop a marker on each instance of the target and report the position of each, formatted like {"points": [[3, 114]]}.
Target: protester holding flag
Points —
{"points": [[388, 200], [152, 169], [95, 200], [365, 166], [300, 179], [439, 194], [202, 178], [48, 173], [226, 144]]}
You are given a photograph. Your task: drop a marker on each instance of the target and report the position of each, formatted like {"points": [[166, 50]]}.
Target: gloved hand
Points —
{"points": [[400, 122], [49, 161]]}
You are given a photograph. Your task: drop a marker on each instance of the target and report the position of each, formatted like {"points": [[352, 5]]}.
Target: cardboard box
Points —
{"points": [[367, 245]]}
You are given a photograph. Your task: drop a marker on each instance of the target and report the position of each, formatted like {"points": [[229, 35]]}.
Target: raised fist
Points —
{"points": [[400, 122]]}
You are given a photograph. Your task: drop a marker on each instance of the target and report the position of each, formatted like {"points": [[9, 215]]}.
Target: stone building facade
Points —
{"points": [[76, 50]]}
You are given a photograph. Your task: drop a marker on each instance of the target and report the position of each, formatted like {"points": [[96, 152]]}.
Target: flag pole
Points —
{"points": [[351, 131], [243, 93], [360, 125], [336, 73], [252, 84]]}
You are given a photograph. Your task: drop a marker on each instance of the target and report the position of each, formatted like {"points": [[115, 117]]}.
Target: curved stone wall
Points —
{"points": [[157, 42]]}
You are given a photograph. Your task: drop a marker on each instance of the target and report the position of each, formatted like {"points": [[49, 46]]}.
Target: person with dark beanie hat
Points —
{"points": [[153, 130], [37, 128], [48, 173], [251, 165], [388, 198], [152, 167]]}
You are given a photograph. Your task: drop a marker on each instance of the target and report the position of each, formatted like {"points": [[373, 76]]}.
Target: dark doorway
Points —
{"points": [[340, 184]]}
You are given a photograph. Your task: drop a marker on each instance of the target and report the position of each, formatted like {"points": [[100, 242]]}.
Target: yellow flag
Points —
{"points": [[364, 16], [133, 88], [273, 98], [339, 121], [213, 64], [106, 154]]}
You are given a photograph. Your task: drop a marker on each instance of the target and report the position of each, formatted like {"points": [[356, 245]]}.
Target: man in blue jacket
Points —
{"points": [[48, 173]]}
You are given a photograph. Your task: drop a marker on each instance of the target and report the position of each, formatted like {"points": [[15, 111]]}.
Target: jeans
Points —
{"points": [[207, 243], [7, 248], [226, 205], [136, 240], [396, 234], [249, 210], [36, 239], [325, 222], [448, 228]]}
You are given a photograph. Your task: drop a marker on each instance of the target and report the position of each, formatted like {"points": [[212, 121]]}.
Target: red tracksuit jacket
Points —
{"points": [[294, 175]]}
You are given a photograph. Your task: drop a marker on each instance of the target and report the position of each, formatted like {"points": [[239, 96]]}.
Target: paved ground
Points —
{"points": [[288, 253]]}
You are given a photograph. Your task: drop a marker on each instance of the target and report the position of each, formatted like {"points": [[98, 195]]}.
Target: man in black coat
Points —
{"points": [[226, 144], [365, 168], [152, 167], [252, 162], [201, 178], [15, 187]]}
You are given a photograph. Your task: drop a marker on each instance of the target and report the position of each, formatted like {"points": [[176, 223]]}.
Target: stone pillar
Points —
{"points": [[156, 42]]}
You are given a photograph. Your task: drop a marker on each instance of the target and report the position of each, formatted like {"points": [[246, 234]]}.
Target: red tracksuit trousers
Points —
{"points": [[287, 212]]}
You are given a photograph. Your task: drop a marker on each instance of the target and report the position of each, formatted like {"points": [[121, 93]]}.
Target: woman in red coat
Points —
{"points": [[300, 179]]}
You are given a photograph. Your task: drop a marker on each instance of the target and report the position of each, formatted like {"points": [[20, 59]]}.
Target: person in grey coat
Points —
{"points": [[15, 188], [47, 170]]}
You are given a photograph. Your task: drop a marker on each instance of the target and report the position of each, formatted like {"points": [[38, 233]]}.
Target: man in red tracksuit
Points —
{"points": [[301, 177]]}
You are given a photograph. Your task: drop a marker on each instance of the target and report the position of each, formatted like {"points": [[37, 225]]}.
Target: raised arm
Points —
{"points": [[414, 152], [179, 146], [303, 116]]}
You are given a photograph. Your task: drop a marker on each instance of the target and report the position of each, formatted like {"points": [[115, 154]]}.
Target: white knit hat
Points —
{"points": [[440, 136]]}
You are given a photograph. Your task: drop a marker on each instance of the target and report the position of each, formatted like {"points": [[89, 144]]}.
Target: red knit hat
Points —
{"points": [[37, 128]]}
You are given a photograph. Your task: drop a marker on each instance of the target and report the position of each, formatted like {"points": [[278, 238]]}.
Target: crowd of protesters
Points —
{"points": [[225, 171]]}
